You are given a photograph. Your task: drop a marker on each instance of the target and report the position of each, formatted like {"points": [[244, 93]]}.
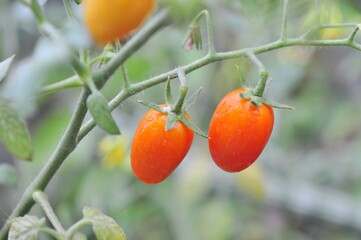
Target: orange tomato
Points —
{"points": [[110, 20], [239, 131], [155, 152]]}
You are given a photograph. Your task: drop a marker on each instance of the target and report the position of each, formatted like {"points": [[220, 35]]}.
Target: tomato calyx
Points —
{"points": [[257, 101], [176, 109]]}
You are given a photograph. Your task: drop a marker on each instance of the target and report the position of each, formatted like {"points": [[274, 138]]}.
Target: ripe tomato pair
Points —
{"points": [[238, 133]]}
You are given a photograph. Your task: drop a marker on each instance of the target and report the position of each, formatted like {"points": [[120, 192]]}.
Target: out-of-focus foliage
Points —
{"points": [[305, 185]]}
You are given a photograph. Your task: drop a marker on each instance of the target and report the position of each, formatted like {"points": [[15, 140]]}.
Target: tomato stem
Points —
{"points": [[263, 74], [42, 200], [177, 109]]}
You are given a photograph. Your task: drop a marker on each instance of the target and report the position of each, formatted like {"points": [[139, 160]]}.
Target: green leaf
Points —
{"points": [[98, 108], [14, 133], [8, 175], [104, 227], [25, 228], [5, 66]]}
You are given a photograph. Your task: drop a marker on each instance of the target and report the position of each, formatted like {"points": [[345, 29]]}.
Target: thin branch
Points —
{"points": [[125, 76], [42, 200], [353, 34], [70, 82], [284, 21]]}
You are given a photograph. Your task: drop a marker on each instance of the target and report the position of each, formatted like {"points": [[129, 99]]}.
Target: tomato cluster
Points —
{"points": [[239, 129], [238, 133]]}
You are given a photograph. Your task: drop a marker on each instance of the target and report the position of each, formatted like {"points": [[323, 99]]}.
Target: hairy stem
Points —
{"points": [[70, 82], [42, 200]]}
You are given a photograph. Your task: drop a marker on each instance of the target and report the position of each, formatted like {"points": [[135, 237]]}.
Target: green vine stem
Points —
{"points": [[40, 198], [220, 56], [284, 22], [70, 82], [76, 131]]}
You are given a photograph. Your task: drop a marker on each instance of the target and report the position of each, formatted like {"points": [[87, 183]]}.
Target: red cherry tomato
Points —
{"points": [[239, 131], [156, 152]]}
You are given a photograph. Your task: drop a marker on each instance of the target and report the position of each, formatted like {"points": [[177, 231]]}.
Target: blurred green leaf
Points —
{"points": [[4, 67], [14, 133], [98, 108], [104, 227], [25, 228], [8, 175]]}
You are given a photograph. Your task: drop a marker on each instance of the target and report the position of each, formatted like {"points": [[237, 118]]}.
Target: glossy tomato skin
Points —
{"points": [[239, 131], [110, 20], [155, 152]]}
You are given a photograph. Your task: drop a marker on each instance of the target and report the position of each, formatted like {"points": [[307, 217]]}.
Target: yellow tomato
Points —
{"points": [[110, 20]]}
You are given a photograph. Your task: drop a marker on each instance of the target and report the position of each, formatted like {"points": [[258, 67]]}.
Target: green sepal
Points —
{"points": [[241, 77], [258, 101], [98, 108], [175, 110], [78, 1], [154, 106], [277, 105], [192, 99], [14, 133], [168, 94], [192, 126]]}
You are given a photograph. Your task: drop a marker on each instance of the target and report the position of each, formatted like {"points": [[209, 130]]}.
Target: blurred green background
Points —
{"points": [[305, 185]]}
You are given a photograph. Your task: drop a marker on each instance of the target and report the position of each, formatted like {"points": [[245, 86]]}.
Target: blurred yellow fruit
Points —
{"points": [[113, 150]]}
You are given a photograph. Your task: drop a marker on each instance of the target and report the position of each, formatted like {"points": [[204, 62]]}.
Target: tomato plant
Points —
{"points": [[111, 20], [239, 131], [156, 152]]}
